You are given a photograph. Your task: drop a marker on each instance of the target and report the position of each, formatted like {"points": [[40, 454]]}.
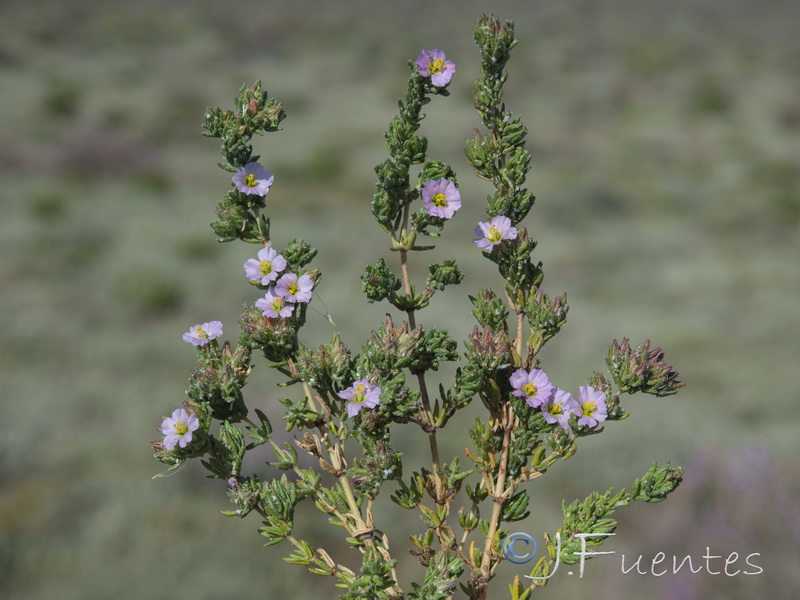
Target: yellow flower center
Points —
{"points": [[555, 409], [201, 333], [439, 200], [436, 65], [529, 389], [277, 304], [589, 408], [181, 428], [266, 267], [494, 234], [359, 393], [250, 180], [293, 288]]}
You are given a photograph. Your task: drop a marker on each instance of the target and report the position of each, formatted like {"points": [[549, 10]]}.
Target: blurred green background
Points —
{"points": [[667, 170]]}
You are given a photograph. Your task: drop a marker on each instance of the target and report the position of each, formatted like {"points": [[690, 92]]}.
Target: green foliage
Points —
{"points": [[392, 191], [218, 383], [409, 496], [516, 507], [592, 516], [328, 369], [391, 349], [259, 435], [440, 580], [490, 311], [378, 464], [433, 347], [657, 483], [298, 254], [641, 370], [500, 158], [276, 338], [546, 317], [444, 274], [515, 266], [244, 494], [398, 404], [298, 416], [375, 578], [490, 352], [379, 283], [256, 113], [278, 499]]}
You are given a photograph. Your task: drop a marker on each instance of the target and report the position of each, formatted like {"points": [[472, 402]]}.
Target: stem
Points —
{"points": [[404, 263], [498, 499], [334, 512], [334, 454], [426, 403], [355, 513], [351, 500], [459, 549], [385, 539], [423, 388], [306, 388], [407, 286], [518, 341]]}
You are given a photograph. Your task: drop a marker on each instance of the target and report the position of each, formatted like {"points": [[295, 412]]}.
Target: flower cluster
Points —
{"points": [[285, 289], [441, 198], [556, 404], [280, 299], [202, 333], [493, 232], [253, 179], [273, 306], [361, 394], [434, 64], [178, 428], [266, 267]]}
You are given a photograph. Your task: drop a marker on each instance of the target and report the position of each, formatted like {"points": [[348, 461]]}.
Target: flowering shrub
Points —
{"points": [[529, 425]]}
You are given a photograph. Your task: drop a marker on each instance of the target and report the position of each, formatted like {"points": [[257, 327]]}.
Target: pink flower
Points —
{"points": [[494, 231], [253, 179], [559, 406], [203, 333], [274, 306], [434, 64], [361, 394], [266, 268], [292, 289], [178, 428], [441, 198], [534, 386], [592, 404]]}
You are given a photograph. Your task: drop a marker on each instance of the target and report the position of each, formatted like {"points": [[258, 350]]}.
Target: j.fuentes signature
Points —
{"points": [[658, 566]]}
